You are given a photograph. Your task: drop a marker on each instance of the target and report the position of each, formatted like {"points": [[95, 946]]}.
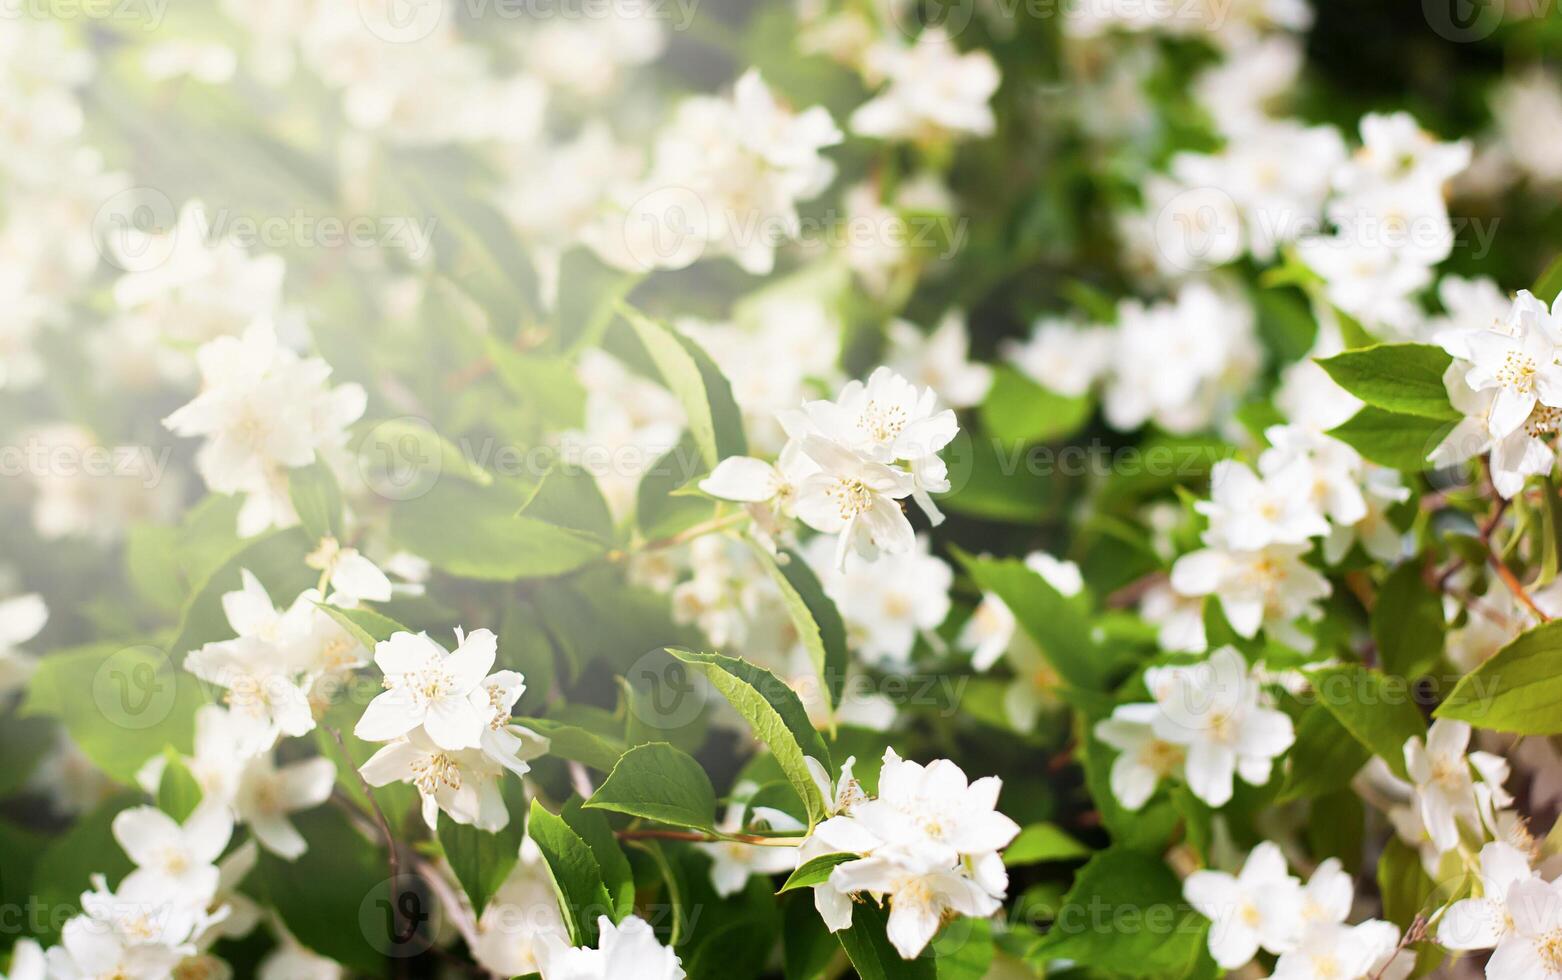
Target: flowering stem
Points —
{"points": [[686, 535], [704, 838]]}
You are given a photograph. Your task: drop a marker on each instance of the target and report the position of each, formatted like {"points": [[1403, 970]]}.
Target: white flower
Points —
{"points": [[431, 689], [855, 498], [27, 961], [263, 696], [463, 783], [935, 92], [1444, 785], [919, 900], [1179, 618], [522, 915], [1208, 333], [1333, 951], [293, 961], [1521, 364], [1256, 908], [726, 179], [21, 619], [1145, 759], [1485, 921], [1063, 356], [1214, 709], [144, 911], [1524, 452], [181, 859], [628, 949], [929, 816], [1328, 894], [889, 419], [266, 795], [87, 951], [1249, 513], [1395, 150], [633, 418], [1270, 588], [886, 604], [355, 578], [263, 410], [733, 863], [205, 287], [1527, 107], [1532, 950], [940, 360], [511, 746]]}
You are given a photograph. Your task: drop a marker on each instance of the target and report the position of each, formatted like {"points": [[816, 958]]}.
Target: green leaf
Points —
{"points": [[1403, 883], [871, 953], [336, 898], [1407, 623], [1324, 757], [275, 558], [588, 292], [481, 860], [1042, 842], [1403, 378], [317, 498], [690, 374], [366, 626], [576, 876], [661, 783], [1132, 887], [815, 871], [546, 384], [660, 512], [473, 532], [1059, 628], [1517, 690], [569, 497], [403, 458], [1549, 284], [814, 616], [1376, 709], [1018, 410], [178, 793], [617, 876], [23, 744], [808, 949], [121, 705], [964, 950], [1392, 439], [577, 744], [774, 712]]}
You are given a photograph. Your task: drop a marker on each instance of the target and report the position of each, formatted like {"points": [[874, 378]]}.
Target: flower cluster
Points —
{"points": [[1206, 330], [847, 465], [1264, 906], [1209, 723], [263, 410], [928, 844], [1506, 379], [447, 720]]}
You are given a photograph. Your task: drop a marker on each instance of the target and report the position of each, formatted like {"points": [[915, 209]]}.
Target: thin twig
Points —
{"points": [[704, 838], [685, 536], [374, 805]]}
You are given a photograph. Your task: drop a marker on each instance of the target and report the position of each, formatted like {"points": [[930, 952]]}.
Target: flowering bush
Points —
{"points": [[642, 491]]}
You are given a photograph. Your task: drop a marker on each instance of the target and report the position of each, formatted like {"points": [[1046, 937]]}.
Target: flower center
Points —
{"points": [[1517, 372], [852, 496], [435, 771], [882, 422], [1325, 966], [430, 684], [1543, 421], [1549, 948]]}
